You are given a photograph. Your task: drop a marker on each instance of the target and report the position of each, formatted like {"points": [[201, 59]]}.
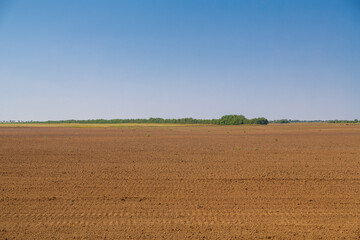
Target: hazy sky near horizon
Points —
{"points": [[203, 59]]}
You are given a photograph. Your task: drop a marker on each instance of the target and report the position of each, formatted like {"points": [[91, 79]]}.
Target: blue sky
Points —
{"points": [[172, 59]]}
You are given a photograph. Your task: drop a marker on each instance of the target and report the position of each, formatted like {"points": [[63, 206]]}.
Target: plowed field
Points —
{"points": [[289, 181]]}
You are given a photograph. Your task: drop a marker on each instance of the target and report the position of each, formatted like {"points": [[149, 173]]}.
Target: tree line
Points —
{"points": [[304, 121], [225, 120]]}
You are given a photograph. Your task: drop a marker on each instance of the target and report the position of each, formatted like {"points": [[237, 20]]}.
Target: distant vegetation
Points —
{"points": [[281, 121], [328, 121], [225, 120], [240, 119], [343, 121]]}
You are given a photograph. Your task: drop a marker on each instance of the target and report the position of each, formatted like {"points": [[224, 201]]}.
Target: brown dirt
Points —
{"points": [[292, 181]]}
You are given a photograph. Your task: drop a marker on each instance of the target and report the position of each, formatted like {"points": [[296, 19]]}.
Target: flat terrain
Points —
{"points": [[285, 181]]}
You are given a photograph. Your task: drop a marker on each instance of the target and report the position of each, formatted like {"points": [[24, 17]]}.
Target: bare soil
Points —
{"points": [[285, 181]]}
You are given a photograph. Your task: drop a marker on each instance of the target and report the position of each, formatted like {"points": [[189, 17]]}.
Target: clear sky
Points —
{"points": [[186, 58]]}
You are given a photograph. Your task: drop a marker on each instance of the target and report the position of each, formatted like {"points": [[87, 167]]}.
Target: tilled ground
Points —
{"points": [[292, 181]]}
